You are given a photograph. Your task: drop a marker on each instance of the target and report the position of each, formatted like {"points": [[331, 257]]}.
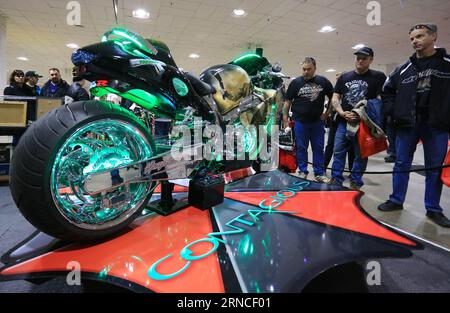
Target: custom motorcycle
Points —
{"points": [[87, 169]]}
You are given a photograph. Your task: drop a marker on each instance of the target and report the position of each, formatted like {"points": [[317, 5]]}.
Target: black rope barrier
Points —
{"points": [[425, 169]]}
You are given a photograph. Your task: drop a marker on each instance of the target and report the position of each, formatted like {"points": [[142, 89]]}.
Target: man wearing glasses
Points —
{"points": [[417, 97], [306, 95]]}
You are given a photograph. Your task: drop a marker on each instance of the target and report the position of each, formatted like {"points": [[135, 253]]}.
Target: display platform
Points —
{"points": [[273, 233]]}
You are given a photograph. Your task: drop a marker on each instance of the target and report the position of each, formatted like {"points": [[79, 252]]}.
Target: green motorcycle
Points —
{"points": [[87, 169]]}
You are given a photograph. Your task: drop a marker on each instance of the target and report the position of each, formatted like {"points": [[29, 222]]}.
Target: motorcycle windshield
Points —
{"points": [[251, 62], [136, 45], [125, 38]]}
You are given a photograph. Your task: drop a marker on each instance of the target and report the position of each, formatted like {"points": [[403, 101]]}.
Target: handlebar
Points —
{"points": [[279, 75]]}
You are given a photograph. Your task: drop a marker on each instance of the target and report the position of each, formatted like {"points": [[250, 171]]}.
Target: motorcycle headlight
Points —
{"points": [[82, 57]]}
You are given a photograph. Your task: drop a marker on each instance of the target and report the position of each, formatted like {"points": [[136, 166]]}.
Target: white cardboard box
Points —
{"points": [[6, 139]]}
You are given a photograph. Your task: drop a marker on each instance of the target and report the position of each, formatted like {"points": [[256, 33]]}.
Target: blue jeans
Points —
{"points": [[435, 144], [342, 144], [305, 133], [391, 133]]}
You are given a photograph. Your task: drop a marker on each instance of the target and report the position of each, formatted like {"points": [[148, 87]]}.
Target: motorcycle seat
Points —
{"points": [[202, 88]]}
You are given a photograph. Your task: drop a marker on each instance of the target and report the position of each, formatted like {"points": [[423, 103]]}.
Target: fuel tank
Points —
{"points": [[232, 84]]}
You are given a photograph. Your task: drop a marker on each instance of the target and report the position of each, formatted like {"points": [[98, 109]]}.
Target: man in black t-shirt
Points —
{"points": [[352, 87], [417, 97], [306, 97]]}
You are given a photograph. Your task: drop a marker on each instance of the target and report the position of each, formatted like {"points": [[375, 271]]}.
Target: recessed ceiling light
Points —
{"points": [[141, 13], [331, 70], [194, 56], [72, 46], [22, 58], [239, 13], [358, 46], [327, 29]]}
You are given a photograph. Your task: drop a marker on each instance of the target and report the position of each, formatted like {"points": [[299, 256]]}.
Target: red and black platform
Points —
{"points": [[273, 233]]}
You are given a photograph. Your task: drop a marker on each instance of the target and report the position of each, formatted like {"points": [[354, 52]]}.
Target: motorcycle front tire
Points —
{"points": [[32, 166]]}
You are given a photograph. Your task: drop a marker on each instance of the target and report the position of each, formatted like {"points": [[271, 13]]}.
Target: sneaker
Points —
{"points": [[390, 159], [303, 175], [439, 218], [334, 182], [322, 179], [354, 186], [390, 206]]}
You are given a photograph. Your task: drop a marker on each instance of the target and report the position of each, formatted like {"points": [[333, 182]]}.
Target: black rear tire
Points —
{"points": [[33, 160]]}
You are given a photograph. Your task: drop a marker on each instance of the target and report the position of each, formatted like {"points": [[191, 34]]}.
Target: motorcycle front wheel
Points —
{"points": [[57, 153]]}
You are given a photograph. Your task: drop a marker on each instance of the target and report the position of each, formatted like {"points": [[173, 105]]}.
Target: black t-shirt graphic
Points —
{"points": [[308, 97], [354, 87], [425, 67]]}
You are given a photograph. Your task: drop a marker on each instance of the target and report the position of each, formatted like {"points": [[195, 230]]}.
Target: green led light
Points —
{"points": [[266, 249], [139, 53], [245, 246], [128, 38], [180, 87], [128, 48], [95, 147], [138, 96], [107, 158], [104, 272], [246, 56], [124, 34], [143, 98]]}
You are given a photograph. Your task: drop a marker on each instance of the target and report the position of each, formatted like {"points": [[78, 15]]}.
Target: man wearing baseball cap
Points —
{"points": [[352, 87], [31, 80], [32, 90]]}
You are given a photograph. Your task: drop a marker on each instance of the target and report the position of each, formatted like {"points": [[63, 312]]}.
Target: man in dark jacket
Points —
{"points": [[31, 80], [55, 87], [33, 90], [76, 92], [417, 97]]}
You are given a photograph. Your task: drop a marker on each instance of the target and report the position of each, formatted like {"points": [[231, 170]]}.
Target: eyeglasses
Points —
{"points": [[310, 60], [19, 75], [430, 27]]}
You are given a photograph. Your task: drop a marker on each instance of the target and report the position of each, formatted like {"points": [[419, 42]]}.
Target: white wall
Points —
{"points": [[391, 67]]}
